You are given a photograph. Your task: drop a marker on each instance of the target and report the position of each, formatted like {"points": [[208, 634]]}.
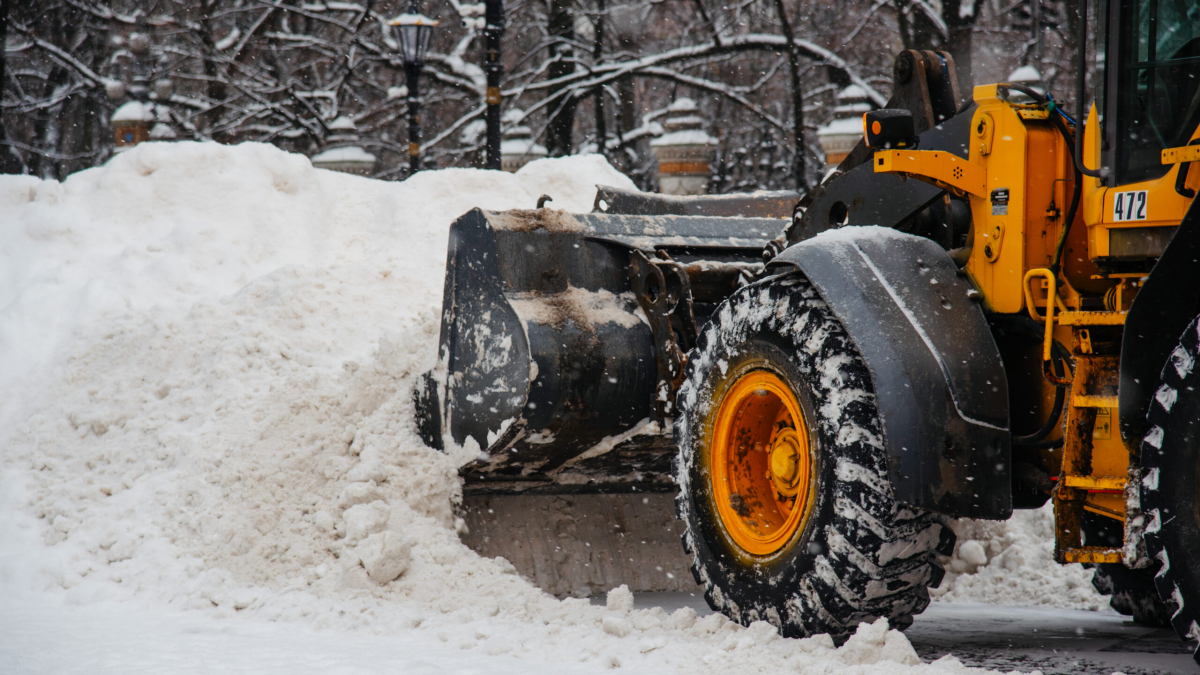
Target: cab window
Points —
{"points": [[1158, 88]]}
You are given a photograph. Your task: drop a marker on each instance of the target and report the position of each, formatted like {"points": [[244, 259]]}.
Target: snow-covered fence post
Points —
{"points": [[1028, 76], [492, 32], [131, 121], [685, 152], [518, 147], [342, 151], [131, 124], [842, 133]]}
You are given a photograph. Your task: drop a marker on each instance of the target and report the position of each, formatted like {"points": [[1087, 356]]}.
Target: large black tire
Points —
{"points": [[1171, 482], [861, 554], [1131, 591]]}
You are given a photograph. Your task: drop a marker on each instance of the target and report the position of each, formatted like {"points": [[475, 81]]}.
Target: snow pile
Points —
{"points": [[1012, 563], [207, 354], [206, 363]]}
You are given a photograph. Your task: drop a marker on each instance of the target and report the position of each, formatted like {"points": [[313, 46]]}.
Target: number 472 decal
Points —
{"points": [[1129, 206]]}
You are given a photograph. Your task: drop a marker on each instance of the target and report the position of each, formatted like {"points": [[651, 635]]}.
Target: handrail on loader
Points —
{"points": [[1052, 300]]}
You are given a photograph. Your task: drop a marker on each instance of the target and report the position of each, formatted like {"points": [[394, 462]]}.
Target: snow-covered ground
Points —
{"points": [[206, 359]]}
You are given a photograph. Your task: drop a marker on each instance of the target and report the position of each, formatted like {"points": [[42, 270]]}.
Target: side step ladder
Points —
{"points": [[1095, 464]]}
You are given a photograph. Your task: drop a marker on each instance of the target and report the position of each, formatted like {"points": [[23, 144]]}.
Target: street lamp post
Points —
{"points": [[412, 32], [487, 17], [493, 30]]}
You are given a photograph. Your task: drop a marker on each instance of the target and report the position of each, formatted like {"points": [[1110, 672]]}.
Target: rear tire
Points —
{"points": [[1171, 482], [1131, 591], [857, 554]]}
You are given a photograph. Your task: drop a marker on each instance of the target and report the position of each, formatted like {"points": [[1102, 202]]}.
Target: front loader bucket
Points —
{"points": [[547, 360]]}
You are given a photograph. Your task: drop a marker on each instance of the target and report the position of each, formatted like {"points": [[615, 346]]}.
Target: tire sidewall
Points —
{"points": [[750, 574], [785, 322]]}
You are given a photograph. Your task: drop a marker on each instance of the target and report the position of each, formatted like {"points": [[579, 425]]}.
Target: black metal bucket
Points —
{"points": [[547, 361]]}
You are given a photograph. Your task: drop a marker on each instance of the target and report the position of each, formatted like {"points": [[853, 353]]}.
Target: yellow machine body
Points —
{"points": [[1019, 181]]}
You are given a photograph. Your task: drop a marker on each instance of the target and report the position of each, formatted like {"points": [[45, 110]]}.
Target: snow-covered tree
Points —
{"points": [[590, 75]]}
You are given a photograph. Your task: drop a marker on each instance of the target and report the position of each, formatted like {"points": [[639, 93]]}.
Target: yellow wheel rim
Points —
{"points": [[761, 464]]}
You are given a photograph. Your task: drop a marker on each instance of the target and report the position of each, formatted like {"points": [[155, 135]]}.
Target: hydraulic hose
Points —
{"points": [[1038, 97], [1058, 353], [1076, 193], [1058, 357]]}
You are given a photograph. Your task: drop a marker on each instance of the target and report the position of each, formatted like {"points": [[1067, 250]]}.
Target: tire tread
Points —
{"points": [[1181, 372], [850, 580]]}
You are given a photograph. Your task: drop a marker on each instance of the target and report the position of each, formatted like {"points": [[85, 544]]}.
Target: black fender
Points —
{"points": [[1167, 302], [939, 380]]}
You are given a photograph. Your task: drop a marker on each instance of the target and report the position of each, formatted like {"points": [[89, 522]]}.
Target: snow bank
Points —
{"points": [[1012, 563], [206, 361]]}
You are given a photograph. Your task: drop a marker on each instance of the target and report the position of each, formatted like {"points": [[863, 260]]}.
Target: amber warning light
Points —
{"points": [[889, 129]]}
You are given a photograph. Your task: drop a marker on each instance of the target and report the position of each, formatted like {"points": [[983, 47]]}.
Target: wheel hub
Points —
{"points": [[761, 464], [788, 461]]}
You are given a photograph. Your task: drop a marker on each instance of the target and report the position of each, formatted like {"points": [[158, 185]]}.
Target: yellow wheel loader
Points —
{"points": [[988, 305]]}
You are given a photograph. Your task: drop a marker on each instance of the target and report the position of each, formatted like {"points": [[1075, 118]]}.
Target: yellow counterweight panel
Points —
{"points": [[1016, 177], [1018, 220], [1046, 195]]}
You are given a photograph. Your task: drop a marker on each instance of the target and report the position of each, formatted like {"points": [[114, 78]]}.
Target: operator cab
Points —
{"points": [[1155, 72]]}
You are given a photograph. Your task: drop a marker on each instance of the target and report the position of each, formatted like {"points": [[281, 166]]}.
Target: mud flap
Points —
{"points": [[938, 377]]}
